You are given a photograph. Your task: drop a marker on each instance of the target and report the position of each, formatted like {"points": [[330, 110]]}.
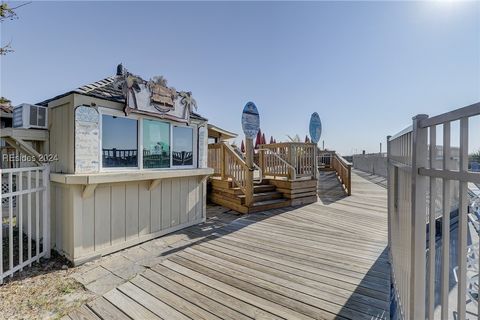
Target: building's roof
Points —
{"points": [[103, 89], [217, 132]]}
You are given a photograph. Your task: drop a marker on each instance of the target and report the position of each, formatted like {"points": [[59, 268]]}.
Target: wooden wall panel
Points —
{"points": [[183, 200], [144, 211], [155, 209], [88, 230], [102, 217], [166, 203], [118, 208], [132, 210], [175, 203], [122, 214]]}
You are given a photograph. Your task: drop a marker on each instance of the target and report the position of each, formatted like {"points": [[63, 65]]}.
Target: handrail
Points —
{"points": [[239, 152], [344, 171], [235, 169], [342, 167], [278, 156], [288, 159]]}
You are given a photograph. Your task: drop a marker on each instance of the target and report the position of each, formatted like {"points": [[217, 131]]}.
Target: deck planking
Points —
{"points": [[326, 260]]}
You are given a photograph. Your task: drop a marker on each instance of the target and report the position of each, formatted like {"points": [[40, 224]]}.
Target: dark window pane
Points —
{"points": [[119, 142], [156, 144], [182, 154]]}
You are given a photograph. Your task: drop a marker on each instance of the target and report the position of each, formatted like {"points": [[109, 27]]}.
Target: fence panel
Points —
{"points": [[25, 227], [427, 184]]}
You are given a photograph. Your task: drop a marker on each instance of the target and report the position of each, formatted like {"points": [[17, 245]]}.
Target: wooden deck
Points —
{"points": [[325, 260]]}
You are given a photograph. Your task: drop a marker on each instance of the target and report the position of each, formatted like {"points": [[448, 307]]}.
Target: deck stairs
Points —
{"points": [[265, 196]]}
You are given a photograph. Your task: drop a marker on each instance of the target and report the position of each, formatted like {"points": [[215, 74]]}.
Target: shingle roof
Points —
{"points": [[102, 89]]}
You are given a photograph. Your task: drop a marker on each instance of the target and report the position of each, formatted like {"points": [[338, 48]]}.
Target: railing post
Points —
{"points": [[389, 197], [293, 161], [46, 210], [418, 220], [261, 157], [349, 182], [223, 156], [249, 175]]}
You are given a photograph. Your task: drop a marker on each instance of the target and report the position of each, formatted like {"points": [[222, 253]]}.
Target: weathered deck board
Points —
{"points": [[326, 260]]}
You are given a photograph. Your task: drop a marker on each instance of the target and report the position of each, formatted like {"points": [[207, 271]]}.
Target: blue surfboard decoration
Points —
{"points": [[315, 128], [250, 120]]}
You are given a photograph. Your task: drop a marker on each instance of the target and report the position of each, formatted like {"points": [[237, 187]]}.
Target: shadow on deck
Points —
{"points": [[325, 260]]}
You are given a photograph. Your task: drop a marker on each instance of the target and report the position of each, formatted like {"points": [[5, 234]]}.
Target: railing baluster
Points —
{"points": [[462, 222], [431, 228], [37, 214], [445, 224], [29, 216], [20, 220], [1, 232], [10, 222]]}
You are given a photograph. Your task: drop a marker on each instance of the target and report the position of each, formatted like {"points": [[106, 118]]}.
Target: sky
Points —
{"points": [[366, 67]]}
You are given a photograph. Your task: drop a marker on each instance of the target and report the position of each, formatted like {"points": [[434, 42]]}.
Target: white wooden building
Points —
{"points": [[131, 165]]}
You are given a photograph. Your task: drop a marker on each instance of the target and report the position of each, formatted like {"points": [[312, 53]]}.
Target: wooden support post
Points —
{"points": [[223, 162], [249, 177], [293, 162]]}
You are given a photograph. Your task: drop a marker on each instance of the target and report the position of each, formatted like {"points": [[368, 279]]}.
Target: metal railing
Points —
{"points": [[414, 178], [26, 215]]}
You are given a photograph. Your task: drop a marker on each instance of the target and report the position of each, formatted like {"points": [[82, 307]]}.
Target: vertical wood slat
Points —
{"points": [[445, 224], [20, 219], [431, 226], [462, 222], [10, 222], [29, 215], [46, 211], [1, 233], [37, 215]]}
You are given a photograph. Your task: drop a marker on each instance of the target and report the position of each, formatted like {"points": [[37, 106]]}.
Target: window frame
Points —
{"points": [[194, 148], [115, 113], [139, 118]]}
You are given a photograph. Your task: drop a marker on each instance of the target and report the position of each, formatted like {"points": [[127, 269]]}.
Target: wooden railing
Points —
{"points": [[344, 171], [235, 168], [331, 160], [292, 160], [215, 158], [226, 163]]}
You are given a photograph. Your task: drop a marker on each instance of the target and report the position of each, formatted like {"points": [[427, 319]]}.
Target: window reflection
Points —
{"points": [[156, 144], [119, 142], [182, 154]]}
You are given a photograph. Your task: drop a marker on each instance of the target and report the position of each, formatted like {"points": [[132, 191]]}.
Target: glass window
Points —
{"points": [[119, 142], [182, 154], [156, 144]]}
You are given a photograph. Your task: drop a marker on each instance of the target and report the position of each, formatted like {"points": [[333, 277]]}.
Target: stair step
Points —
{"points": [[262, 196], [269, 204], [257, 188]]}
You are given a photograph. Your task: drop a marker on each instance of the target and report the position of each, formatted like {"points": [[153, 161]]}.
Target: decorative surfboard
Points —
{"points": [[250, 120], [315, 128]]}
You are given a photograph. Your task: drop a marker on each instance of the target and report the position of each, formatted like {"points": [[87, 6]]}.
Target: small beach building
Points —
{"points": [[131, 164]]}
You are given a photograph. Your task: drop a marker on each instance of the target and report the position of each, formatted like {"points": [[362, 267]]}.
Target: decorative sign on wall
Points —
{"points": [[202, 147], [87, 140], [154, 97], [250, 120], [315, 128]]}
